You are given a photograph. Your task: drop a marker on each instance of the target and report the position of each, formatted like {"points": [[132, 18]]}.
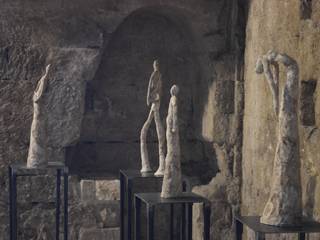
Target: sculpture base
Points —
{"points": [[260, 230]]}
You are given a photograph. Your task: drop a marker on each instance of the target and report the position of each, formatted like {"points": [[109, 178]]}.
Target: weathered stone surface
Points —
{"points": [[104, 190], [223, 192], [108, 189], [98, 234]]}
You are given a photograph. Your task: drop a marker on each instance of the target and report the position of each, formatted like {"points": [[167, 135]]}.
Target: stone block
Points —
{"points": [[99, 234], [88, 190], [107, 189]]}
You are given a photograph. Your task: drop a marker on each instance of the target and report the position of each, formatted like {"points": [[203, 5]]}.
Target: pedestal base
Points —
{"points": [[52, 169], [260, 229]]}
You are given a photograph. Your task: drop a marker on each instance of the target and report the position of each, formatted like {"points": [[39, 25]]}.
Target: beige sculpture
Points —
{"points": [[284, 207], [37, 155], [153, 98], [172, 181]]}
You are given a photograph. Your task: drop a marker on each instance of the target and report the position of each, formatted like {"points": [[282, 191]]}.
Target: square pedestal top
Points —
{"points": [[23, 170], [155, 198], [253, 222], [131, 174]]}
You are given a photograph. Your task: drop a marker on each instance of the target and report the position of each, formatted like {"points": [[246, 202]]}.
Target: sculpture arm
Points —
{"points": [[175, 124], [263, 66], [42, 85]]}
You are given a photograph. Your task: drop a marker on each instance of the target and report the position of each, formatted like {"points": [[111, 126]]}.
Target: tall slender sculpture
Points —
{"points": [[172, 181], [37, 155], [284, 207], [153, 98]]}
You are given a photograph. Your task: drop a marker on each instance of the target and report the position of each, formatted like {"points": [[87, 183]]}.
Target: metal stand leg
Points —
{"points": [[189, 221], [171, 221], [122, 193], [13, 203], [65, 198], [183, 222], [150, 216], [206, 216], [137, 218], [58, 203], [302, 236], [129, 202], [260, 236], [239, 229]]}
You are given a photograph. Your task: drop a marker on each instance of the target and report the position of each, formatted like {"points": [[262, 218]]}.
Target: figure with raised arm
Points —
{"points": [[37, 155]]}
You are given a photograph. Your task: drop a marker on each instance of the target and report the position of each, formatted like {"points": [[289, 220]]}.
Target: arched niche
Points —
{"points": [[116, 99]]}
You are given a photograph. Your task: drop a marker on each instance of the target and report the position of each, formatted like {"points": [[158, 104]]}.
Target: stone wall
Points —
{"points": [[77, 36], [289, 26]]}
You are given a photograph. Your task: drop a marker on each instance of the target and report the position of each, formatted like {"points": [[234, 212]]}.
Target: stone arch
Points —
{"points": [[115, 102]]}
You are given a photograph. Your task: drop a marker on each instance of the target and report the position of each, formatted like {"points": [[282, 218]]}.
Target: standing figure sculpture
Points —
{"points": [[37, 155], [172, 181], [284, 207], [153, 98]]}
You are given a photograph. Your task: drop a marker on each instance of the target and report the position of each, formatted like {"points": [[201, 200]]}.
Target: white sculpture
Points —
{"points": [[284, 207], [37, 155], [172, 181], [153, 98]]}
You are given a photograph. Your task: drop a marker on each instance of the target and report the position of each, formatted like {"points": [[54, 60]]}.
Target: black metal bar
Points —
{"points": [[65, 198], [137, 218], [189, 221], [58, 184], [13, 203], [183, 222], [302, 236], [239, 229], [171, 221], [10, 203], [150, 217], [129, 202], [260, 236], [206, 225], [122, 196]]}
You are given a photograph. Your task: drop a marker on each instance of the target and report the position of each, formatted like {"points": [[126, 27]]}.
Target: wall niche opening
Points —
{"points": [[116, 106]]}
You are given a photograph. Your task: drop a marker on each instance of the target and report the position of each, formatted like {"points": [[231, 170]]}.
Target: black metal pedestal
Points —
{"points": [[53, 169], [127, 180], [186, 200], [260, 230]]}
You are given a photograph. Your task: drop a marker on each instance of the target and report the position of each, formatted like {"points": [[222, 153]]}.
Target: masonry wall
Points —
{"points": [[76, 37], [289, 26]]}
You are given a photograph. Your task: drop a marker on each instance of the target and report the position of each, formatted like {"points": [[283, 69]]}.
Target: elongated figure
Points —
{"points": [[153, 98], [284, 207], [37, 155], [172, 181]]}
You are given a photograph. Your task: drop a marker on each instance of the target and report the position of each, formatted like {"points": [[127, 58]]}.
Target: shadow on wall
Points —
{"points": [[116, 99]]}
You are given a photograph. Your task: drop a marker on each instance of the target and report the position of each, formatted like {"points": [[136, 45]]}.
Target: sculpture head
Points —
{"points": [[174, 90], [156, 65]]}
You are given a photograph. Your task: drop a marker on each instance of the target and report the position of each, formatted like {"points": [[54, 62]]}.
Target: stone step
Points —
{"points": [[92, 190], [99, 234], [104, 213]]}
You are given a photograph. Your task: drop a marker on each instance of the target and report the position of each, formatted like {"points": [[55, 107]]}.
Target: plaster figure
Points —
{"points": [[37, 155], [284, 207], [153, 99], [172, 181]]}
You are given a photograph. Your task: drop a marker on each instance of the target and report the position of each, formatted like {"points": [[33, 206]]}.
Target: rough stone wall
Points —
{"points": [[289, 26], [31, 30]]}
